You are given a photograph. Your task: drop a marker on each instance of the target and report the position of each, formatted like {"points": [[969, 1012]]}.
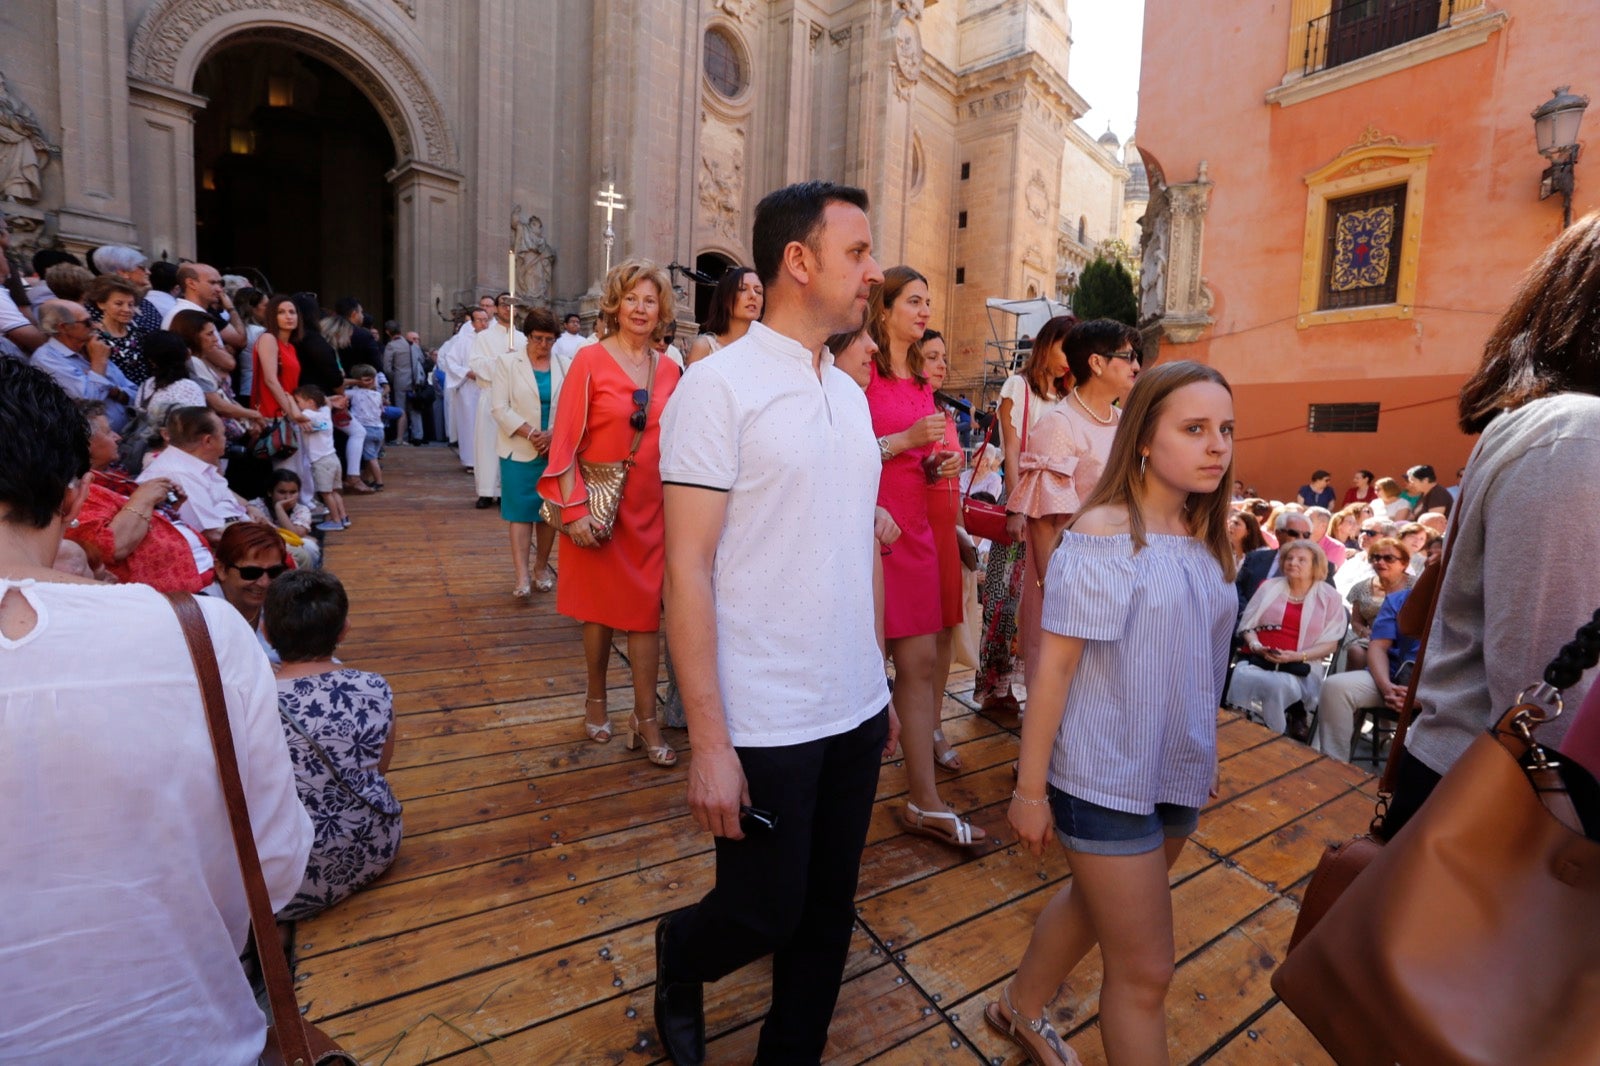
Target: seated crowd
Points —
{"points": [[95, 531], [1319, 651]]}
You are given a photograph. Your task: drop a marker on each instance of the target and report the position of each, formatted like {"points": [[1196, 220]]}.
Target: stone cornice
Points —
{"points": [[1030, 70], [1458, 37]]}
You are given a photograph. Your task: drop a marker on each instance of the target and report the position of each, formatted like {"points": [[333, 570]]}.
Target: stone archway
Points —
{"points": [[175, 36]]}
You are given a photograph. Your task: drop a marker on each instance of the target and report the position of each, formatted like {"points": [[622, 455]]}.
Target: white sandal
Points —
{"points": [[960, 834], [1005, 1019]]}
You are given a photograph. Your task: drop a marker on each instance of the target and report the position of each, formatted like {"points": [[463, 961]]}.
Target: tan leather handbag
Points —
{"points": [[605, 481], [1473, 937], [291, 1040]]}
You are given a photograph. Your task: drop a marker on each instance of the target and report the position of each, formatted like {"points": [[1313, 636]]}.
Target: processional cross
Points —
{"points": [[611, 200]]}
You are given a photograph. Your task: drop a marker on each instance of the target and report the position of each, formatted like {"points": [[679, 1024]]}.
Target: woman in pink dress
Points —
{"points": [[613, 390], [954, 549], [1068, 449], [909, 432]]}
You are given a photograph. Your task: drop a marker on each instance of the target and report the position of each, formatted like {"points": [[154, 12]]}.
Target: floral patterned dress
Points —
{"points": [[337, 724]]}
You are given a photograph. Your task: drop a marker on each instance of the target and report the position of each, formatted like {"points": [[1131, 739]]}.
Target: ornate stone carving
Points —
{"points": [[721, 188], [740, 10], [169, 27], [24, 149], [1037, 197], [907, 35], [408, 6], [536, 258], [1173, 291]]}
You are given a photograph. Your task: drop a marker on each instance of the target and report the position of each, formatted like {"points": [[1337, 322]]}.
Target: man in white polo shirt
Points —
{"points": [[771, 473], [195, 444]]}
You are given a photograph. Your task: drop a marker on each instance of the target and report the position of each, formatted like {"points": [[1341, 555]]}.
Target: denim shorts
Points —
{"points": [[372, 447], [1088, 827]]}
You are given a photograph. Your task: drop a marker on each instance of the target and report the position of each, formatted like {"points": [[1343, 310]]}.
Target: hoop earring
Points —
{"points": [[1141, 466]]}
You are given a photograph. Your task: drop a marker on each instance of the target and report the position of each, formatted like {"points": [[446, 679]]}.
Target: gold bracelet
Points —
{"points": [[1025, 801], [142, 514]]}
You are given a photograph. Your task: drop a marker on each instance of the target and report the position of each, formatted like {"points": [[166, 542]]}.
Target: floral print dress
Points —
{"points": [[337, 724]]}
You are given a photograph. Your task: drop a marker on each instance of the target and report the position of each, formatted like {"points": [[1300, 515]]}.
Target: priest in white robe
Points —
{"points": [[488, 348], [460, 385]]}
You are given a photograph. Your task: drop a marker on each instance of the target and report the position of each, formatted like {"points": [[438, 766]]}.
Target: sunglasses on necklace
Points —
{"points": [[641, 399], [254, 573]]}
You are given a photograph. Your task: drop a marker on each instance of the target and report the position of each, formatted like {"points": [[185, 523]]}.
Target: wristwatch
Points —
{"points": [[883, 449]]}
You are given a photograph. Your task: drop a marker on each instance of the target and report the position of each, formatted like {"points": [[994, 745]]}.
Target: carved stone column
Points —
{"points": [[1175, 301], [161, 139], [428, 213], [96, 200]]}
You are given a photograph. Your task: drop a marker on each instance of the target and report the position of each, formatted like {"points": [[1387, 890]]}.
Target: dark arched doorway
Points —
{"points": [[713, 265], [290, 164]]}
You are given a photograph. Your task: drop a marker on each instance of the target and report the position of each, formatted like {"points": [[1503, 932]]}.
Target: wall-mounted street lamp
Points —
{"points": [[1555, 127]]}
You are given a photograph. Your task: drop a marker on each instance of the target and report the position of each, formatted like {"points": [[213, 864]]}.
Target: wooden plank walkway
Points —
{"points": [[516, 925]]}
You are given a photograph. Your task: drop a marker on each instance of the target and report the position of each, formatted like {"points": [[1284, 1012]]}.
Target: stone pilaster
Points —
{"points": [[161, 140], [96, 202]]}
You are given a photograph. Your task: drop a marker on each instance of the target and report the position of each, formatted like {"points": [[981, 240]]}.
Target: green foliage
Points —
{"points": [[1106, 290]]}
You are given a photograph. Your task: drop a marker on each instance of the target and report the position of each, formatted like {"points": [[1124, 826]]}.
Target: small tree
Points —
{"points": [[1105, 290]]}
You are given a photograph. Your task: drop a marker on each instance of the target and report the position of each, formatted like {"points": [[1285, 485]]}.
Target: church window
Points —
{"points": [[1083, 230], [961, 220], [966, 171], [961, 275], [1360, 264], [725, 67]]}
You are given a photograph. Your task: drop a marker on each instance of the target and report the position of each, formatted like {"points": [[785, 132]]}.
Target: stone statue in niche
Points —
{"points": [[24, 149], [536, 258], [1153, 269]]}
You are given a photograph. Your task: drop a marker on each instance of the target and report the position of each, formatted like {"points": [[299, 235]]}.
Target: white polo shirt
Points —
{"points": [[797, 654]]}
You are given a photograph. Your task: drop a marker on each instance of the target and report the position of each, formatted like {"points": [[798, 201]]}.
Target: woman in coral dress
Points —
{"points": [[612, 391], [910, 430]]}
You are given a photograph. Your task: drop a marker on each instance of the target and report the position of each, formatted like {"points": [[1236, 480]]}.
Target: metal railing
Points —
{"points": [[1357, 28]]}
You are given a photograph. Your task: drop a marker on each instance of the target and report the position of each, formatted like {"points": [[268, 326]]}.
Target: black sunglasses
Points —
{"points": [[1127, 353], [1384, 558], [1292, 534], [641, 397], [1369, 533], [253, 573]]}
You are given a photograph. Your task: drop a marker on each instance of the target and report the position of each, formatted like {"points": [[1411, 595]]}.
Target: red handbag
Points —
{"points": [[980, 518]]}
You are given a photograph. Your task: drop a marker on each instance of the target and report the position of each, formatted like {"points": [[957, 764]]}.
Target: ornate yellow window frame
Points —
{"points": [[1373, 162]]}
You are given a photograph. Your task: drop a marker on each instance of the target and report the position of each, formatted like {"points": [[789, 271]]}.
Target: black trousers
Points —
{"points": [[790, 891]]}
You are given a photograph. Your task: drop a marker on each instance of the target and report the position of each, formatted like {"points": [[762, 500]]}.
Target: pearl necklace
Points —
{"points": [[1106, 421]]}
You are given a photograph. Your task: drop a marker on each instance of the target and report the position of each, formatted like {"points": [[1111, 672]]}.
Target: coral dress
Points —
{"points": [[944, 511], [617, 584], [911, 605]]}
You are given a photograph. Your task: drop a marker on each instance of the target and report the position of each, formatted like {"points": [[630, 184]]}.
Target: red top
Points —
{"points": [[1352, 495], [288, 377], [1287, 638], [162, 560]]}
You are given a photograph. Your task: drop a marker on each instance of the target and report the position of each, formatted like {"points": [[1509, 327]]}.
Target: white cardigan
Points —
{"points": [[514, 400]]}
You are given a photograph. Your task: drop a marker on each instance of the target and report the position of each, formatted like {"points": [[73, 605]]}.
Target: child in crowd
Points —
{"points": [[317, 437], [340, 726], [293, 519], [366, 407]]}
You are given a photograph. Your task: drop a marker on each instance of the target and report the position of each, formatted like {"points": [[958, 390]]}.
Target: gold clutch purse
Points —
{"points": [[605, 482]]}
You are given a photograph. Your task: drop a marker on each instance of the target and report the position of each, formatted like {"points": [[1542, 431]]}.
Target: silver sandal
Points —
{"points": [[1004, 1019]]}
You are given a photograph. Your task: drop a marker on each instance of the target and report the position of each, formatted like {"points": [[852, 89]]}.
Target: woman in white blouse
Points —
{"points": [[113, 831], [522, 401]]}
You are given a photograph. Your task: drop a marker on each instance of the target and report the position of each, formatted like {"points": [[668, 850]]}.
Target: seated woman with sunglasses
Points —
{"points": [[1388, 559], [249, 556], [610, 406]]}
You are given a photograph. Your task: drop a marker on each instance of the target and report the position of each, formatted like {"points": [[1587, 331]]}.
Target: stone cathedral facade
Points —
{"points": [[398, 150]]}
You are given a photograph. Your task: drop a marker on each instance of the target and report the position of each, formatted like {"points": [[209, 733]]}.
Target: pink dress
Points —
{"points": [[944, 512], [911, 604], [1066, 454]]}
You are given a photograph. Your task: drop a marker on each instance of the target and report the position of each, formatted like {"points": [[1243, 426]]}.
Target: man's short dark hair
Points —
{"points": [[186, 425], [345, 305], [304, 614], [570, 316], [44, 448], [794, 213], [1422, 472], [163, 276], [45, 258], [1318, 475], [392, 327]]}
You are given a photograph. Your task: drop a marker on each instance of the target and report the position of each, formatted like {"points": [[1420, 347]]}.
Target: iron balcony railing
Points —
{"points": [[1356, 28]]}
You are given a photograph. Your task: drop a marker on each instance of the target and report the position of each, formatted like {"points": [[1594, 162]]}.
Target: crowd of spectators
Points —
{"points": [[138, 459]]}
